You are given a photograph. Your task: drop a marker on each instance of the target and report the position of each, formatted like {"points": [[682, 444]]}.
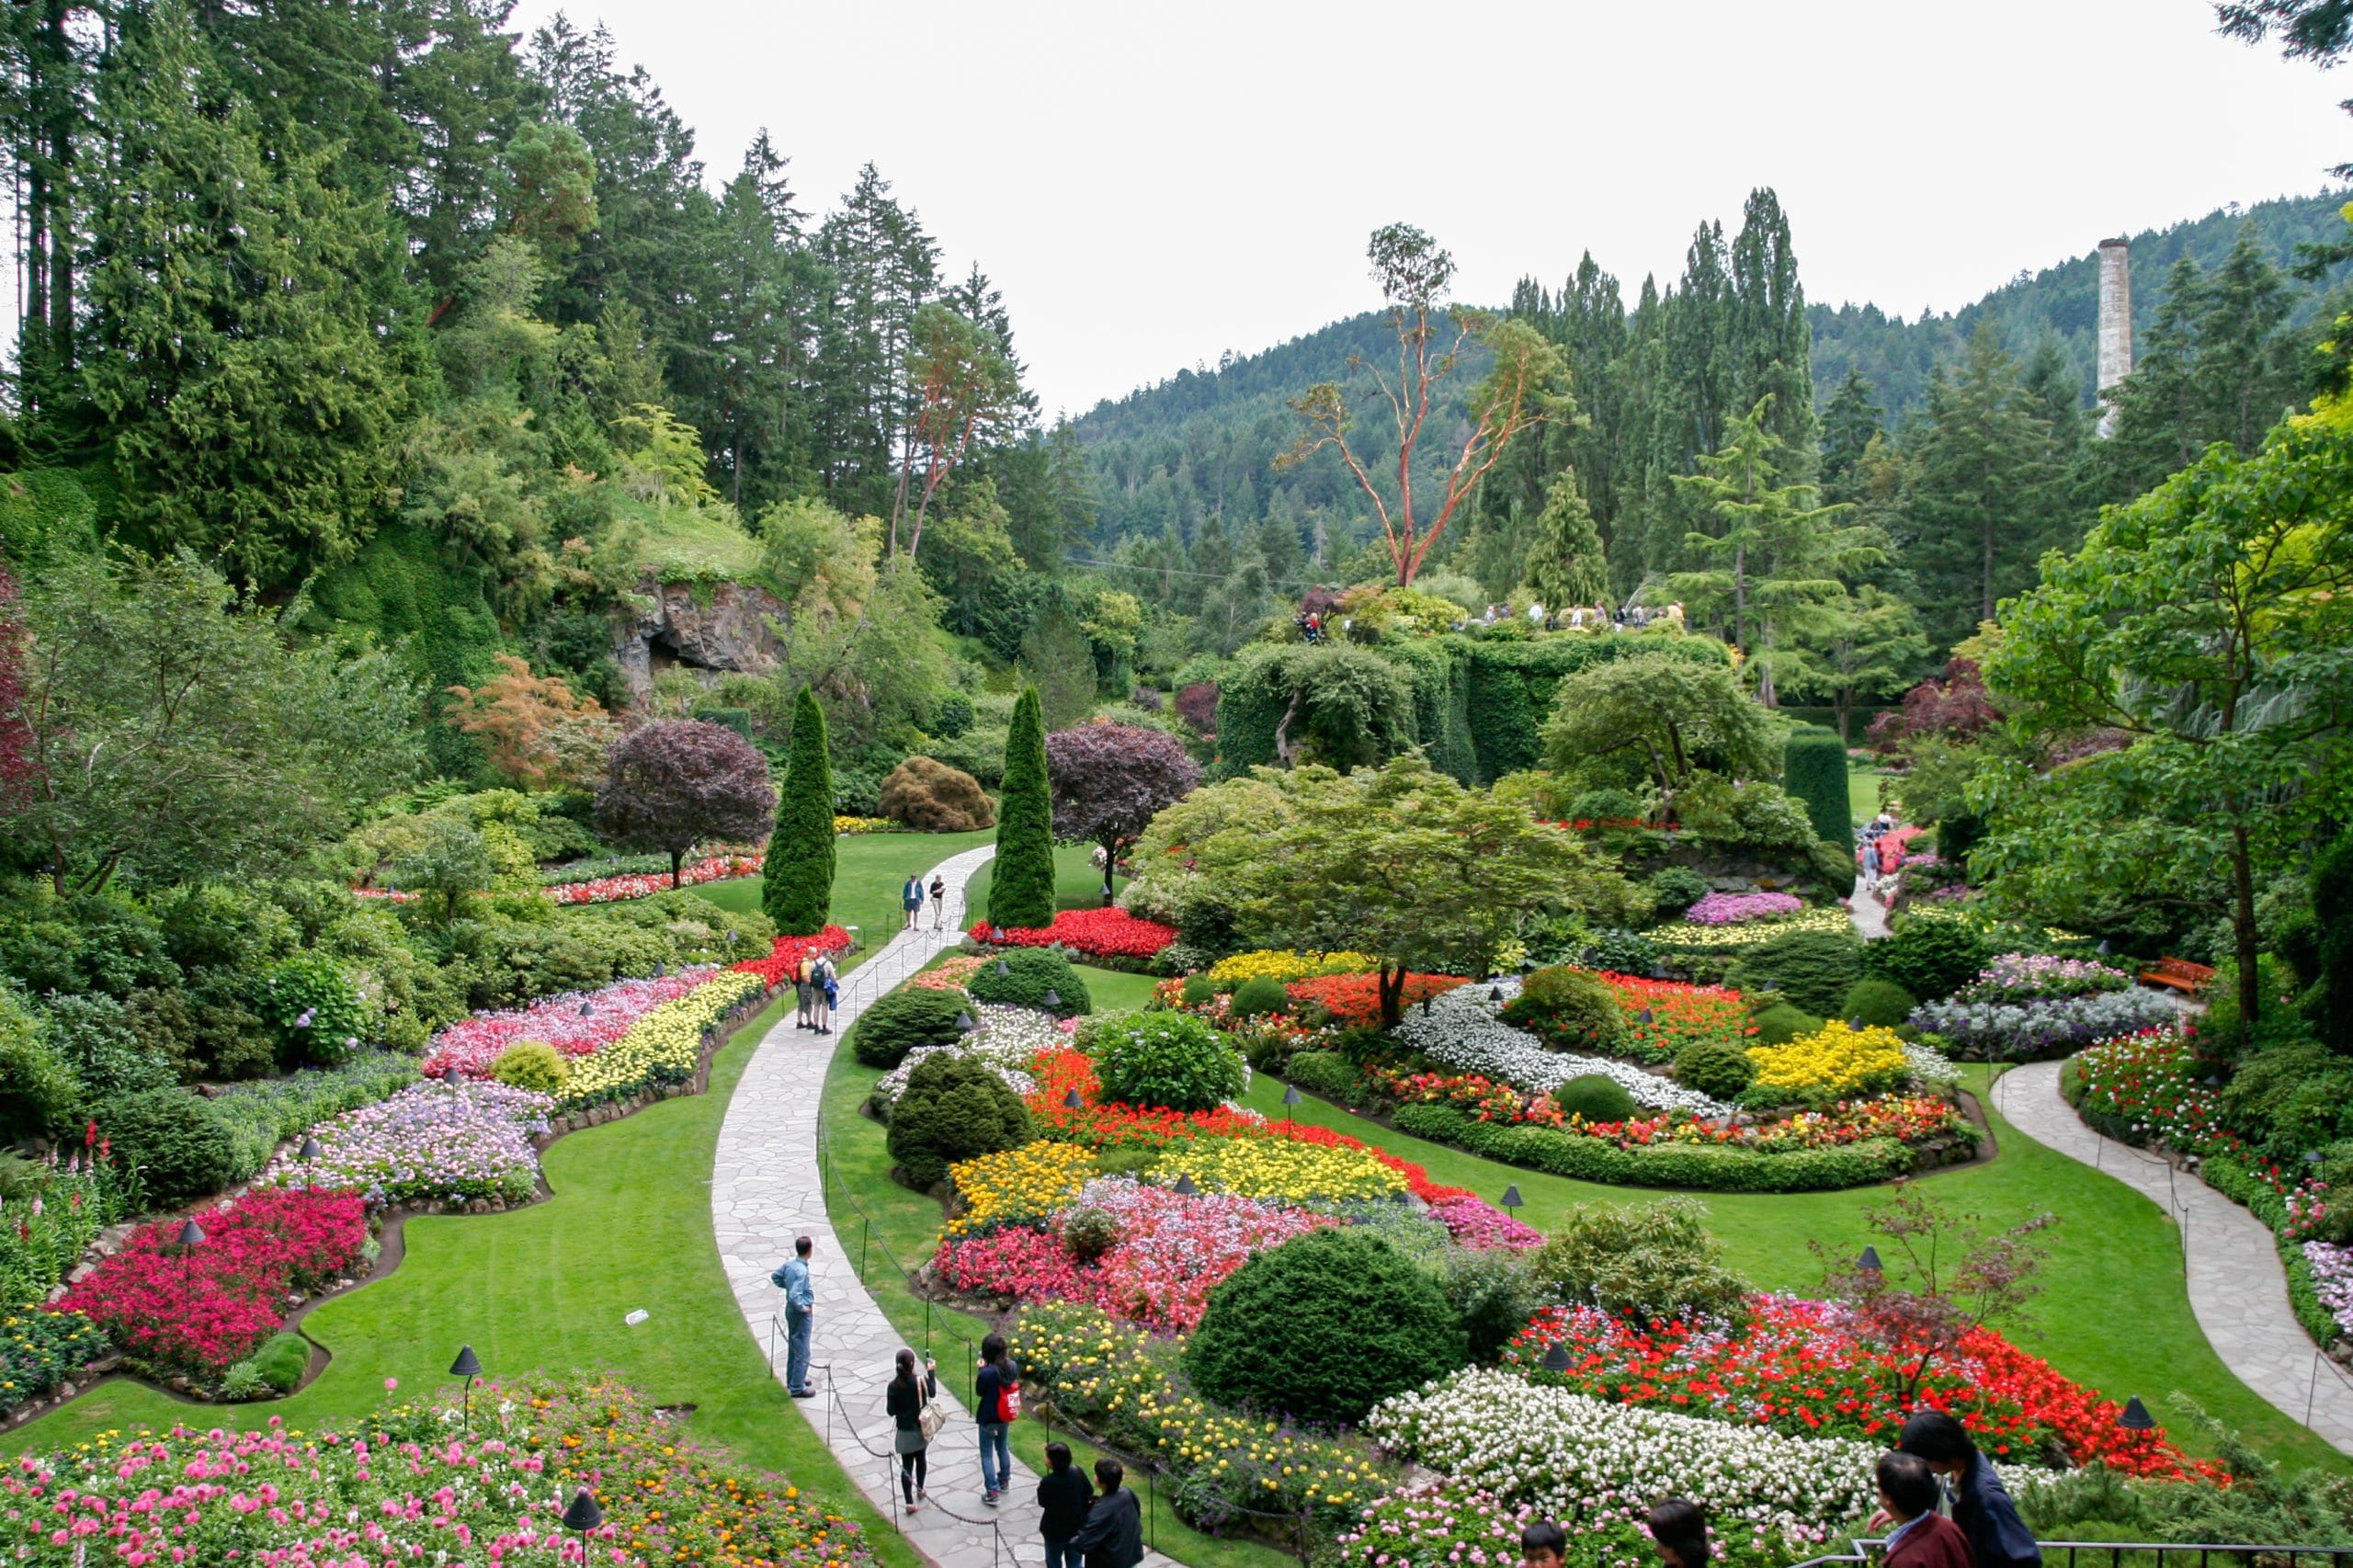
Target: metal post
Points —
{"points": [[2312, 1390], [865, 1235]]}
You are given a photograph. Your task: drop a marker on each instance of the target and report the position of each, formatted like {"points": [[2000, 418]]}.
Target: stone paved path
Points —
{"points": [[765, 1191], [2237, 1289], [1869, 914]]}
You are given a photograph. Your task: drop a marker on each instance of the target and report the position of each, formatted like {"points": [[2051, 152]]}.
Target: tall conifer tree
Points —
{"points": [[1021, 892], [797, 881]]}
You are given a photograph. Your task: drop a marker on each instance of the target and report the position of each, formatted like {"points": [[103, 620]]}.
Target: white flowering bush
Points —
{"points": [[1459, 1031], [1930, 1068], [2020, 1030], [1005, 1040], [1568, 1456]]}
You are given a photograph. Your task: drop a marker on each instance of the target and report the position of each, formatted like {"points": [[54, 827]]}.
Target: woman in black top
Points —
{"points": [[904, 1400], [1063, 1498]]}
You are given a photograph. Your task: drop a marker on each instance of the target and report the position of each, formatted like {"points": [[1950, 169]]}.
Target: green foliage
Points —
{"points": [[1718, 1068], [1813, 770], [1324, 1073], [954, 1109], [317, 1010], [95, 1039], [1021, 891], [901, 1020], [797, 876], [177, 1143], [1568, 1010], [932, 797], [1199, 990], [2333, 913], [1928, 957], [42, 1350], [1566, 566], [1022, 976], [38, 1089], [1812, 969], [1661, 716], [531, 1065], [276, 1368], [1491, 1295], [1257, 997], [1323, 1328], [1331, 702], [2291, 1098], [1677, 889], [1877, 1003], [1163, 1059], [1592, 1097], [260, 1115], [1640, 1262]]}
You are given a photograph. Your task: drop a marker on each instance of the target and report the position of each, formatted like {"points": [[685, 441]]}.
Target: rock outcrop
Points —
{"points": [[718, 628]]}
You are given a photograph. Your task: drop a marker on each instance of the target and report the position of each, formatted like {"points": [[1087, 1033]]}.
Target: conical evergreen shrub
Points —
{"points": [[797, 883], [1813, 770], [1021, 891]]}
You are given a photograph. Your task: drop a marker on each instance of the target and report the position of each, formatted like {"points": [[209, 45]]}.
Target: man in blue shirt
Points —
{"points": [[1981, 1503], [800, 1307]]}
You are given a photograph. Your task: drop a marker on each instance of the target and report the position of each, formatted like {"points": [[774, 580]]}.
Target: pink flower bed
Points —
{"points": [[1738, 908], [1475, 1223], [576, 1023], [614, 889]]}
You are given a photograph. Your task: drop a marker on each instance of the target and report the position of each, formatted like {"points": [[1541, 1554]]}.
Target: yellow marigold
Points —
{"points": [[1268, 1167], [1018, 1183], [1283, 964], [663, 1044], [1834, 1059]]}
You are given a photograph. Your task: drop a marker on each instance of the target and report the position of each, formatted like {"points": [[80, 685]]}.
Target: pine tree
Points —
{"points": [[797, 880], [1848, 423], [1566, 569], [1021, 892], [1972, 526], [1768, 342]]}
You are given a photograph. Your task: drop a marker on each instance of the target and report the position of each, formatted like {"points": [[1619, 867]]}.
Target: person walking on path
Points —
{"points": [[1922, 1537], [910, 897], [800, 1313], [1113, 1534], [1062, 1498], [1679, 1530], [996, 1401], [826, 978], [907, 1399], [1870, 865], [804, 993], [939, 900], [1980, 1505]]}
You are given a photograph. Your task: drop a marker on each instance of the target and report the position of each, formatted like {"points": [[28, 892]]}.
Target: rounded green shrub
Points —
{"points": [[531, 1065], [1199, 990], [282, 1360], [1879, 1002], [1326, 1073], [1812, 969], [178, 1143], [1781, 1023], [1491, 1295], [1163, 1059], [1090, 1233], [1256, 998], [1021, 977], [1640, 1262], [1594, 1097], [1814, 772], [1677, 889], [316, 1009], [907, 1017], [954, 1109], [1719, 1068], [1323, 1328], [1568, 1010], [1929, 956]]}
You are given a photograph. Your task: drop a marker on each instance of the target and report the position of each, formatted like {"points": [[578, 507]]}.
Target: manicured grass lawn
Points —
{"points": [[2113, 1313], [867, 870], [1862, 789], [1077, 884], [1114, 990]]}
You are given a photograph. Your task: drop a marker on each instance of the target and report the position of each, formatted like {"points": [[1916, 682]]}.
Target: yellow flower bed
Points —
{"points": [[1272, 1168], [1715, 938], [661, 1046], [855, 825], [1834, 1059], [1109, 1377], [1019, 1184], [1283, 964]]}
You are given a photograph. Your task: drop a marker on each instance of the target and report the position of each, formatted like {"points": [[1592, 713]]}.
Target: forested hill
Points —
{"points": [[2059, 302]]}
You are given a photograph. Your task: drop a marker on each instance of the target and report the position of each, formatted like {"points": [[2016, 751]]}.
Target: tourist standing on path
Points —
{"points": [[1870, 865], [826, 978], [799, 1313], [939, 900], [1922, 1537], [1063, 1499], [1680, 1531], [996, 1401], [1113, 1534], [1542, 1544], [907, 1399], [804, 993], [1980, 1505], [910, 897]]}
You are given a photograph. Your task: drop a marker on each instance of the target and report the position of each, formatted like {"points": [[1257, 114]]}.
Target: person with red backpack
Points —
{"points": [[996, 1404]]}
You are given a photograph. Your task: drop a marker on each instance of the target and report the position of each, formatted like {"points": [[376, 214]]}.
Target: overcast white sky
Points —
{"points": [[1153, 184]]}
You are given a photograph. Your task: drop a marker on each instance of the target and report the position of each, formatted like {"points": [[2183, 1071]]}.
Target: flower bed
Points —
{"points": [[1836, 1061], [1683, 935], [428, 1143], [663, 1047], [1005, 1040], [1459, 1031], [1019, 1185], [1282, 1168], [2021, 1031], [44, 1234], [1286, 965], [1741, 908], [1452, 1521], [1477, 1224], [949, 973], [1662, 1016], [1095, 933], [2332, 1271], [785, 956], [2028, 977], [40, 1350], [407, 1485], [1356, 998], [577, 1023], [693, 873], [194, 1312]]}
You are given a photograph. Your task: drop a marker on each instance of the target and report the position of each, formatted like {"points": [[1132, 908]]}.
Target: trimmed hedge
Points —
{"points": [[906, 1019], [1704, 1166], [1814, 772], [1028, 974]]}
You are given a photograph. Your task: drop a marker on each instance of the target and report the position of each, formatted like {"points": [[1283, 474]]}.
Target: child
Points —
{"points": [[1542, 1544], [1922, 1537]]}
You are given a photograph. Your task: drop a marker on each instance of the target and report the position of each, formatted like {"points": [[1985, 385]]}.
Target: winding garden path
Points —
{"points": [[2237, 1289], [766, 1190]]}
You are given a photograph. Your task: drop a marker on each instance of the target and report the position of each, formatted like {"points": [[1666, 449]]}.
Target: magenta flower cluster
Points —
{"points": [[577, 1023], [1739, 908]]}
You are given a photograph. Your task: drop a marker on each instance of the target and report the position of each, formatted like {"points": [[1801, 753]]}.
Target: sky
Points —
{"points": [[1153, 184]]}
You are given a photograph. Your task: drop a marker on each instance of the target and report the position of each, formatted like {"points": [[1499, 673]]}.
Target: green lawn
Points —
{"points": [[1077, 884], [1114, 990], [2113, 1313], [869, 869], [1862, 789]]}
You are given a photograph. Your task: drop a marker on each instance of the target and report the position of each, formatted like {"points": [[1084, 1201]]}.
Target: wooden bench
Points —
{"points": [[2178, 975]]}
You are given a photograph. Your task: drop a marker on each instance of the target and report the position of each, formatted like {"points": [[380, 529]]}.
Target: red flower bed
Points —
{"points": [[1097, 933], [195, 1310], [785, 957], [1798, 1368], [1356, 998], [1680, 1014]]}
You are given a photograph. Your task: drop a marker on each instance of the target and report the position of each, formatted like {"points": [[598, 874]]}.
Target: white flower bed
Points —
{"points": [[1461, 1032], [1005, 1041], [1931, 1069], [1565, 1454]]}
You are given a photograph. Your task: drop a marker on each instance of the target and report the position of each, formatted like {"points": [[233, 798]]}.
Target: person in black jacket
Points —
{"points": [[1113, 1534], [1981, 1503], [1063, 1499], [905, 1399]]}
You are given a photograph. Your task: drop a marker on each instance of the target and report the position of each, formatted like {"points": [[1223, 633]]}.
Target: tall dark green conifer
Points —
{"points": [[1565, 569], [1021, 891], [797, 881]]}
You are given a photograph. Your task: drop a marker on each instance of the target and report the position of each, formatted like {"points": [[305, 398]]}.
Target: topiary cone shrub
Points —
{"points": [[1021, 892], [1323, 1328], [932, 797], [1814, 772], [954, 1109], [796, 878]]}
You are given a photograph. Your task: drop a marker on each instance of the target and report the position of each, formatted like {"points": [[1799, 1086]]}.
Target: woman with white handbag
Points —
{"points": [[917, 1415]]}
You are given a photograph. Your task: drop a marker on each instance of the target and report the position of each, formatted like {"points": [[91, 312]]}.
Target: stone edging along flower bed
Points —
{"points": [[387, 1225]]}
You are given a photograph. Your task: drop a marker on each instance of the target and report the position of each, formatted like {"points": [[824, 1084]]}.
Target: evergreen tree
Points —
{"points": [[1849, 423], [1566, 568], [1770, 345], [1021, 892], [796, 877], [1057, 662]]}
